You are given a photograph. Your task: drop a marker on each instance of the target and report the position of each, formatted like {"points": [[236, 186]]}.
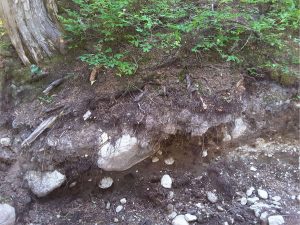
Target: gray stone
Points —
{"points": [[7, 215], [106, 182], [262, 194], [212, 197], [166, 181], [190, 218], [123, 154], [42, 183], [275, 220], [179, 220], [5, 142], [239, 128], [119, 208]]}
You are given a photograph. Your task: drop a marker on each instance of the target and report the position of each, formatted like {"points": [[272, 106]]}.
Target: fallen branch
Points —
{"points": [[39, 130]]}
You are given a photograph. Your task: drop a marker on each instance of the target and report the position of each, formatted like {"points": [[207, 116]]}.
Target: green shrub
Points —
{"points": [[256, 33]]}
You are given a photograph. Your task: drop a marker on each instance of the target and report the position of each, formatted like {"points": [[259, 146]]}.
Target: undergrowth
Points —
{"points": [[258, 34]]}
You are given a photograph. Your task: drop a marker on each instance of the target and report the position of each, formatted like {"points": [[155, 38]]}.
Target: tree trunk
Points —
{"points": [[32, 27]]}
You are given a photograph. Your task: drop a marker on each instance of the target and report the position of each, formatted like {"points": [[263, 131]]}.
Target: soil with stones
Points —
{"points": [[233, 139]]}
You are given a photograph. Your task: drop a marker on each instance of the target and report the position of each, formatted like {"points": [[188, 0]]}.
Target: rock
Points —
{"points": [[190, 218], [252, 168], [123, 201], [171, 195], [298, 198], [179, 220], [166, 181], [5, 142], [239, 128], [264, 217], [106, 182], [262, 194], [7, 214], [172, 215], [155, 159], [276, 198], [169, 161], [87, 115], [204, 153], [122, 154], [212, 197], [119, 208], [250, 191], [243, 201], [42, 183], [275, 220], [73, 184], [251, 201]]}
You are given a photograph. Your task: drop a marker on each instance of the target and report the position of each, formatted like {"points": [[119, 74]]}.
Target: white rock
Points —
{"points": [[204, 153], [276, 198], [243, 201], [87, 115], [169, 161], [262, 194], [275, 220], [107, 205], [123, 201], [252, 168], [116, 220], [5, 142], [166, 181], [212, 197], [190, 218], [179, 220], [250, 191], [251, 201], [298, 198], [239, 128], [42, 183], [226, 223], [171, 195], [264, 217], [119, 208], [73, 184], [106, 182], [7, 214], [172, 215], [155, 159], [122, 154], [199, 205]]}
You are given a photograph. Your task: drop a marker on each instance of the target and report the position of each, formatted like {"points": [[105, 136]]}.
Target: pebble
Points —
{"points": [[119, 208], [5, 142], [123, 201], [262, 194], [251, 201], [106, 182], [220, 208], [7, 214], [155, 159], [169, 161], [252, 168], [199, 205], [244, 201], [212, 197], [166, 181], [298, 198], [249, 192], [190, 218], [87, 115], [264, 217], [204, 153], [171, 195], [276, 198], [72, 184], [116, 220], [275, 220], [107, 205], [179, 220]]}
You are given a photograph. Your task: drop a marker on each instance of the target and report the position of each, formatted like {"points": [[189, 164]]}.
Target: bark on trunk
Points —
{"points": [[33, 28]]}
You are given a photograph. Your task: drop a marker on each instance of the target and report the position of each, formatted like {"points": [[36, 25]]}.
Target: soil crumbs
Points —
{"points": [[268, 164]]}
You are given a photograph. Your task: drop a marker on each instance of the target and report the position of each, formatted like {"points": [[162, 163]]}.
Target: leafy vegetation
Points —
{"points": [[256, 33]]}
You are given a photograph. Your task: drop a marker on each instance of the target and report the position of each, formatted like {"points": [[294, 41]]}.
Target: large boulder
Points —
{"points": [[42, 183], [124, 153]]}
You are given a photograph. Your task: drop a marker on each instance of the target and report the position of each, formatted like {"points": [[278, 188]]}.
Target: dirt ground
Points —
{"points": [[226, 171]]}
